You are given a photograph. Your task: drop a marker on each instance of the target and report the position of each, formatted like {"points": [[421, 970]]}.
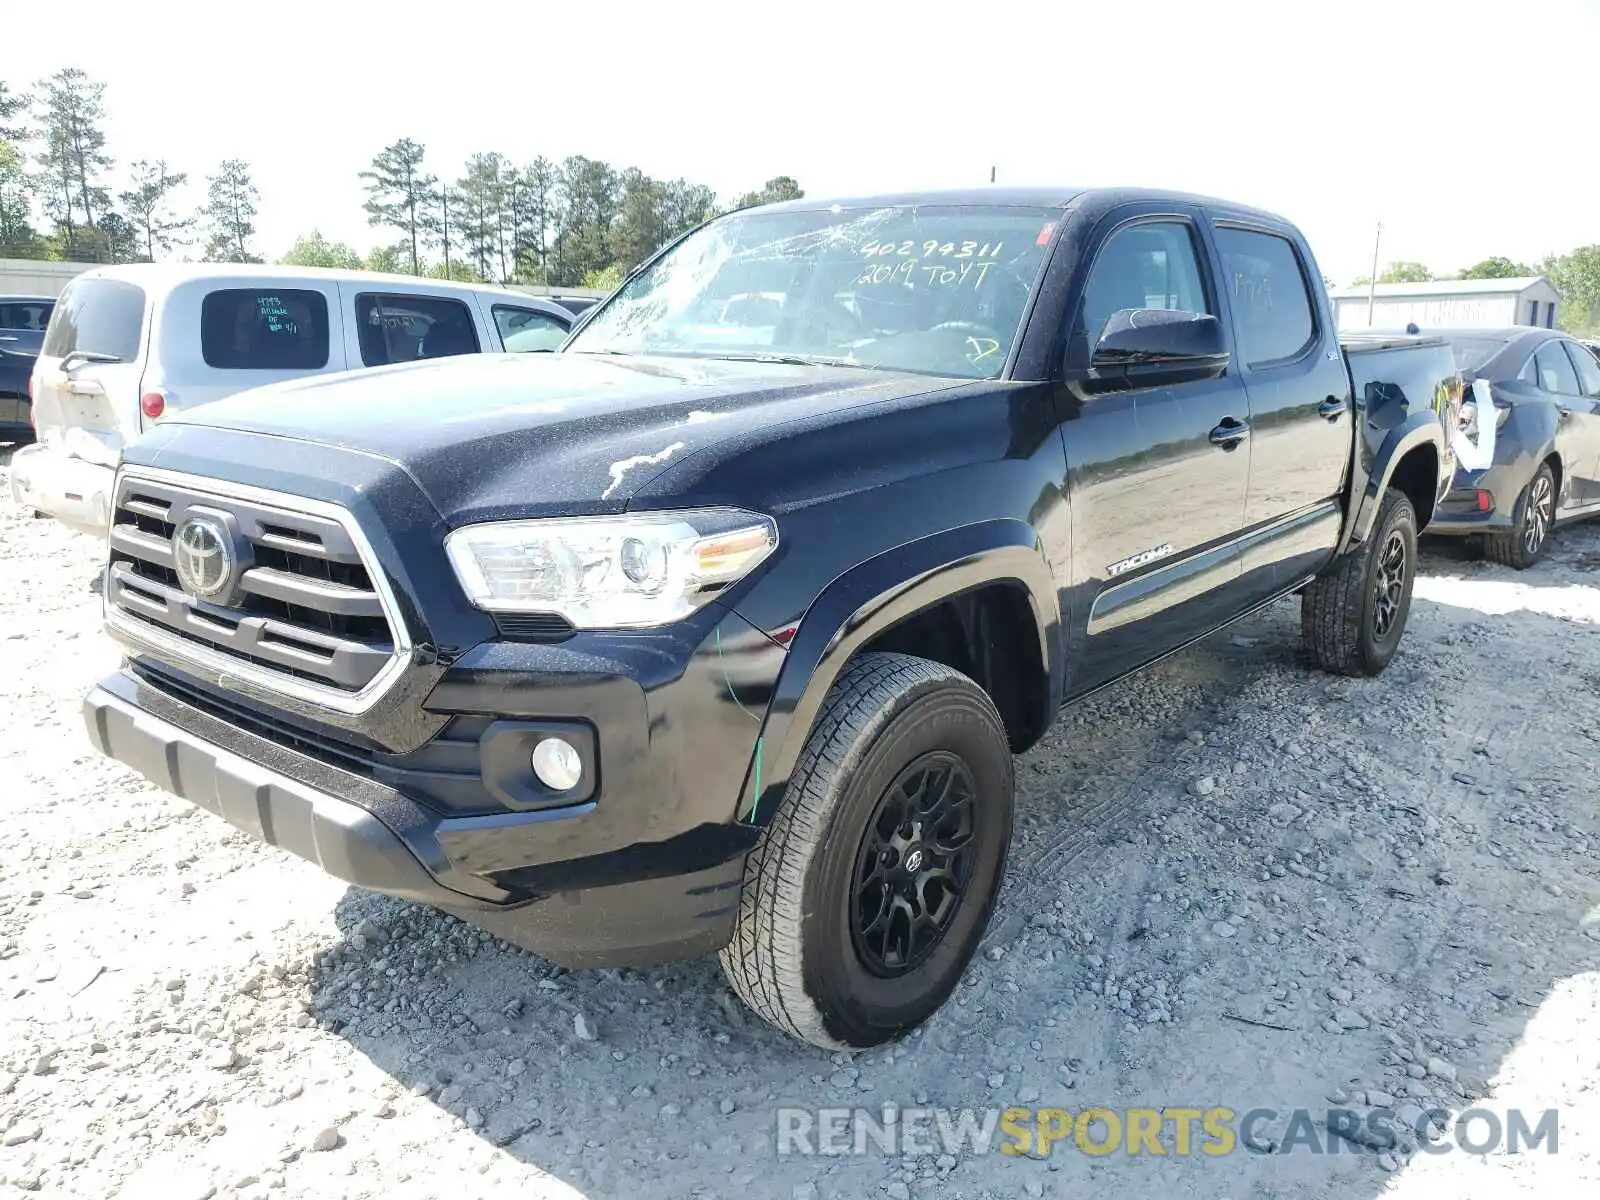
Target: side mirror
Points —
{"points": [[1148, 347]]}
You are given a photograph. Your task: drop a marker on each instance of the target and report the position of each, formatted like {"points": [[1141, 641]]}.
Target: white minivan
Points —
{"points": [[128, 345]]}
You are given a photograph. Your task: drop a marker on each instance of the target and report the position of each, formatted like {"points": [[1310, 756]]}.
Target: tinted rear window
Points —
{"points": [[25, 314], [405, 328], [264, 329], [101, 316], [1472, 353]]}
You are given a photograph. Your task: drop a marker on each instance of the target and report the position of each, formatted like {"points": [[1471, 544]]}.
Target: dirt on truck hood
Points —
{"points": [[488, 435]]}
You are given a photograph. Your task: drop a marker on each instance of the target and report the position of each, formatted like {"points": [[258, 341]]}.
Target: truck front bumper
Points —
{"points": [[72, 490], [648, 904]]}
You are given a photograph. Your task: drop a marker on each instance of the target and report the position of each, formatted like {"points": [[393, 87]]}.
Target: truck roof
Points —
{"points": [[1059, 196]]}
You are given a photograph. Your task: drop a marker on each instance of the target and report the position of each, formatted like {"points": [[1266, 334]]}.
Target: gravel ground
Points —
{"points": [[1235, 882]]}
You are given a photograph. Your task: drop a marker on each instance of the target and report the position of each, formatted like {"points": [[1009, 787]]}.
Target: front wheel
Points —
{"points": [[1352, 616], [875, 878]]}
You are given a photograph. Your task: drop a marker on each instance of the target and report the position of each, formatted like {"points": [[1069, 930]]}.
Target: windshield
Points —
{"points": [[1472, 353], [939, 290]]}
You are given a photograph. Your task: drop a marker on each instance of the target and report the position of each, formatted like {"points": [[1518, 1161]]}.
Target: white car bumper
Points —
{"points": [[73, 491]]}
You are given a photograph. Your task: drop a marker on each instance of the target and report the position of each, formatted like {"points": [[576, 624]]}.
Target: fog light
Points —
{"points": [[558, 764]]}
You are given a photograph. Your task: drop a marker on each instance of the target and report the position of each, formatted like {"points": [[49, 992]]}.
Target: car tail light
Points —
{"points": [[152, 405], [1485, 501]]}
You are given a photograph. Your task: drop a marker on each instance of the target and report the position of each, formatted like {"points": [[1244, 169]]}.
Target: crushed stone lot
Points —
{"points": [[1235, 882]]}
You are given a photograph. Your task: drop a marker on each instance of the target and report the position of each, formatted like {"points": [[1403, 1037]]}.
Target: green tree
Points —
{"points": [[482, 215], [13, 108], [640, 225], [605, 279], [1496, 268], [399, 191], [149, 206], [230, 212], [18, 238], [460, 272], [685, 205], [314, 250], [1405, 272], [588, 199], [771, 192], [70, 109], [120, 237], [389, 259], [533, 215], [1576, 275], [442, 219]]}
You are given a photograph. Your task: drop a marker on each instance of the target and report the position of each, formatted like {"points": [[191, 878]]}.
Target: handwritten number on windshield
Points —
{"points": [[932, 248]]}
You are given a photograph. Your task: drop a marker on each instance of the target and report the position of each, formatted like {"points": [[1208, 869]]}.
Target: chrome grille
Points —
{"points": [[302, 612]]}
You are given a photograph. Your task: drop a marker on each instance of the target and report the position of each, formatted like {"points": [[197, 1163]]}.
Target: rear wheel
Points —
{"points": [[875, 879], [1352, 617], [1522, 545]]}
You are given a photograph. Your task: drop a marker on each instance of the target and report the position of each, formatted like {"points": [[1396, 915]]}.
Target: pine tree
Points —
{"points": [[229, 213], [399, 192], [149, 207]]}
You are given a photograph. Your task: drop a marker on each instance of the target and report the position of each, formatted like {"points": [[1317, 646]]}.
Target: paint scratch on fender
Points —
{"points": [[620, 469]]}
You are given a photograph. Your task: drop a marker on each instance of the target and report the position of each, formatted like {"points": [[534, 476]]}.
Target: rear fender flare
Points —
{"points": [[871, 598], [1417, 430]]}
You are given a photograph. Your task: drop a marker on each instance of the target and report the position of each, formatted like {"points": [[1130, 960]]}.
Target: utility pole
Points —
{"points": [[991, 174], [1372, 282]]}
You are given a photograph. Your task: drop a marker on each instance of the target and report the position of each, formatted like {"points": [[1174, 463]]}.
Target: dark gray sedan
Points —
{"points": [[1536, 394]]}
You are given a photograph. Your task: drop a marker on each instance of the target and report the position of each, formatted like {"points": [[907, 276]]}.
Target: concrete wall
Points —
{"points": [[34, 277]]}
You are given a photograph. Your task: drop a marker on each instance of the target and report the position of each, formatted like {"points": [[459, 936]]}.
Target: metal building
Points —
{"points": [[1446, 303]]}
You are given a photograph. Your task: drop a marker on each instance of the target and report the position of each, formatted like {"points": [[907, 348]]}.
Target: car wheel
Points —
{"points": [[874, 880], [1352, 616], [1523, 544]]}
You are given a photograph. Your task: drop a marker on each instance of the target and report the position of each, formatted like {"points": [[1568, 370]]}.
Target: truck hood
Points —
{"points": [[493, 436]]}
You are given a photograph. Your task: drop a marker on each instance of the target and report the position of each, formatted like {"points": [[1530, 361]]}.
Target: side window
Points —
{"points": [[1529, 372], [525, 329], [1588, 368], [1152, 265], [1271, 304], [264, 329], [1555, 370], [397, 328]]}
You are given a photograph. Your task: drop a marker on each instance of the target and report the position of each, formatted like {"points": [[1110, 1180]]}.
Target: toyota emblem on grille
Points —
{"points": [[202, 554]]}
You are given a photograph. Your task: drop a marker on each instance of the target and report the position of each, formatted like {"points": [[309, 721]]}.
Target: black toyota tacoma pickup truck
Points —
{"points": [[717, 629]]}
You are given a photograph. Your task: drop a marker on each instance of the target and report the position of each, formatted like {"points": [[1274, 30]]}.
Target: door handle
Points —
{"points": [[1332, 408], [1563, 410], [1230, 433]]}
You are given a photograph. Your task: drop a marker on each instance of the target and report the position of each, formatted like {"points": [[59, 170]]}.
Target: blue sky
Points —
{"points": [[1470, 127]]}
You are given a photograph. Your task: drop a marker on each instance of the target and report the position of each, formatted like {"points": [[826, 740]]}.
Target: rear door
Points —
{"points": [[86, 379], [1585, 416], [398, 323], [215, 336], [1300, 402]]}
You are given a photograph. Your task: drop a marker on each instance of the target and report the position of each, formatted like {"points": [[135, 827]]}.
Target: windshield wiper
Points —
{"points": [[87, 356], [792, 360]]}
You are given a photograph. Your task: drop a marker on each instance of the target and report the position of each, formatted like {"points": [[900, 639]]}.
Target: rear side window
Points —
{"points": [[264, 329], [1588, 369], [1272, 308], [398, 328], [1555, 370], [526, 329], [24, 314], [98, 316]]}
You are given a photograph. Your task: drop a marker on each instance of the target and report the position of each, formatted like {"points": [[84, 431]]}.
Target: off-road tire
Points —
{"points": [[1512, 548], [1340, 623], [794, 957]]}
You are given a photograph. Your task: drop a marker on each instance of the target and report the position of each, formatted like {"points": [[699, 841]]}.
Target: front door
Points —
{"points": [[1157, 474]]}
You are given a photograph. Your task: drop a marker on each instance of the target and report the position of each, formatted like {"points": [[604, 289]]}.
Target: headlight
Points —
{"points": [[625, 572]]}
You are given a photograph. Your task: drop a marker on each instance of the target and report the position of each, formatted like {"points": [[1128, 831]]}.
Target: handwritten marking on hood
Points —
{"points": [[620, 469]]}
